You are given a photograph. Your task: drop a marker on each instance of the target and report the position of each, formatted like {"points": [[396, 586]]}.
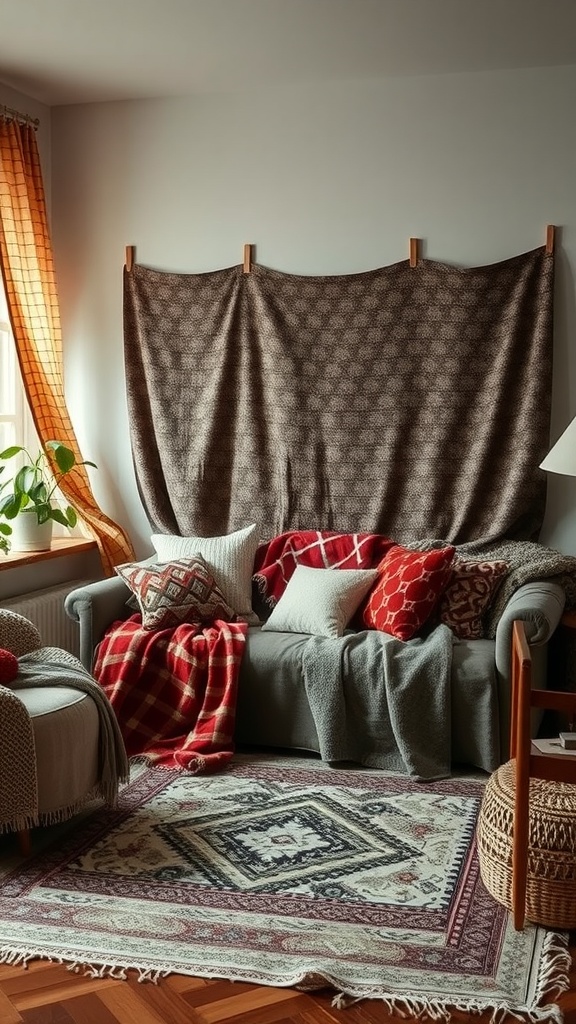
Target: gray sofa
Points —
{"points": [[273, 709]]}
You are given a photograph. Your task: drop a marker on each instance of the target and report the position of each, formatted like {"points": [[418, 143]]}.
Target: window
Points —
{"points": [[16, 423], [16, 426]]}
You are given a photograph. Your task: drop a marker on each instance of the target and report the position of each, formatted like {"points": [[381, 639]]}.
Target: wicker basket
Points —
{"points": [[551, 881]]}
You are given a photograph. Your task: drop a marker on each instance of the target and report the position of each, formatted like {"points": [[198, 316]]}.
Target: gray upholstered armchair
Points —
{"points": [[60, 745]]}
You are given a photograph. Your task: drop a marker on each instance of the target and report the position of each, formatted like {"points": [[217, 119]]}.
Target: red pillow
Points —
{"points": [[408, 587], [471, 588], [8, 666]]}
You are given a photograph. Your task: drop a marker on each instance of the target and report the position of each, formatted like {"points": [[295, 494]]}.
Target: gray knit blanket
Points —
{"points": [[382, 702], [49, 667]]}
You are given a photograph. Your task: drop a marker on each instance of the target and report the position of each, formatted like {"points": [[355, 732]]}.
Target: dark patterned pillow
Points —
{"points": [[173, 592], [470, 590]]}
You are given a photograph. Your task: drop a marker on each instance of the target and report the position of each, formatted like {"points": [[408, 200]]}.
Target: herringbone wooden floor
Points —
{"points": [[50, 994]]}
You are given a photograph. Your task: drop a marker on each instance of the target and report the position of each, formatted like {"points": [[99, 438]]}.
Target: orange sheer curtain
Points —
{"points": [[29, 280]]}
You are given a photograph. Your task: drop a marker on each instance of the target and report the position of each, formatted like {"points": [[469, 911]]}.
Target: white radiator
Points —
{"points": [[45, 608]]}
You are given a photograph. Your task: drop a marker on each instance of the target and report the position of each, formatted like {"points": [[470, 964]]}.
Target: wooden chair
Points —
{"points": [[531, 763], [526, 832]]}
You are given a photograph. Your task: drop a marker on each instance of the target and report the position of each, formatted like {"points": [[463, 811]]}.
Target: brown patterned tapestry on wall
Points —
{"points": [[413, 402]]}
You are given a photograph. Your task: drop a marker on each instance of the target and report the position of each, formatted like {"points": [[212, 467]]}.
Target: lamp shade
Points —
{"points": [[562, 456]]}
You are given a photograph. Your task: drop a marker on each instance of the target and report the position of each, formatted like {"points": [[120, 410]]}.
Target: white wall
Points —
{"points": [[323, 179]]}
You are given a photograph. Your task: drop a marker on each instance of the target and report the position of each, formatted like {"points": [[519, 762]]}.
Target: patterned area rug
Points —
{"points": [[285, 872]]}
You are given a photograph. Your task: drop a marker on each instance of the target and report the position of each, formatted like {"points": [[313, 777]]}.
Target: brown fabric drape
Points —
{"points": [[29, 280], [414, 402]]}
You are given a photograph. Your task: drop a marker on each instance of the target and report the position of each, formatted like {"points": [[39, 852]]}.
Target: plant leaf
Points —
{"points": [[39, 493], [65, 458], [43, 513], [25, 479], [59, 517], [11, 505]]}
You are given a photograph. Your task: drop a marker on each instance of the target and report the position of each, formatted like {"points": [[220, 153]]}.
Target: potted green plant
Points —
{"points": [[29, 494]]}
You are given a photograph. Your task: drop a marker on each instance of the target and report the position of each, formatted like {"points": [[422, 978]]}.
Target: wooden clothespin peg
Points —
{"points": [[413, 252], [549, 239], [130, 256], [247, 261]]}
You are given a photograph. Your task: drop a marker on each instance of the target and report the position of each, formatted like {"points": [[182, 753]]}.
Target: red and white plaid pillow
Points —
{"points": [[407, 590], [173, 592], [467, 597]]}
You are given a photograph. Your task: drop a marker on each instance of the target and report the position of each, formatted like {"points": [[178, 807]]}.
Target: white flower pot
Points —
{"points": [[28, 535]]}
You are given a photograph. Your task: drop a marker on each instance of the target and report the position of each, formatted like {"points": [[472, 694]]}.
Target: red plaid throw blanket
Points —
{"points": [[321, 549], [174, 690]]}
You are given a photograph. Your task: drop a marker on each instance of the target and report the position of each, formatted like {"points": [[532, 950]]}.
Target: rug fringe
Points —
{"points": [[420, 1008], [16, 959], [555, 966], [553, 980], [21, 958], [145, 974], [402, 1006]]}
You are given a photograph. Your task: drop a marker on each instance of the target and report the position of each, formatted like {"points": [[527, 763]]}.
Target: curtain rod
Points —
{"points": [[10, 112]]}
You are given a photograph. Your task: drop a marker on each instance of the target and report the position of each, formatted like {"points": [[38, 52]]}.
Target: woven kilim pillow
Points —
{"points": [[173, 592], [468, 595], [407, 590]]}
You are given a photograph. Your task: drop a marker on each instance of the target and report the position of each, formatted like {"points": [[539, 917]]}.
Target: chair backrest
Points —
{"points": [[530, 762], [17, 633]]}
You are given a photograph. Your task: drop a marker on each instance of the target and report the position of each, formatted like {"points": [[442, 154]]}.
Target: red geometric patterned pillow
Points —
{"points": [[408, 587], [173, 592], [468, 595]]}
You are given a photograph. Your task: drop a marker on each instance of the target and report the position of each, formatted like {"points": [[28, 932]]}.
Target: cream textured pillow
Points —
{"points": [[320, 601], [230, 559]]}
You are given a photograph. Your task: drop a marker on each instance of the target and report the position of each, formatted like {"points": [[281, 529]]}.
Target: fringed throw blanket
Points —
{"points": [[403, 401], [48, 667], [174, 690]]}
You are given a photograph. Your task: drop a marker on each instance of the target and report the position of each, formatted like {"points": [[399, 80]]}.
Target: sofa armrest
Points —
{"points": [[539, 605], [95, 607]]}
